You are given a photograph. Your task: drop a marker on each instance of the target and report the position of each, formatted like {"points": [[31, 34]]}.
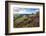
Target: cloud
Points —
{"points": [[25, 10]]}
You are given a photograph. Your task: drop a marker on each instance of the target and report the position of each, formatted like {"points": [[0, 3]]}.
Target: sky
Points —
{"points": [[25, 10]]}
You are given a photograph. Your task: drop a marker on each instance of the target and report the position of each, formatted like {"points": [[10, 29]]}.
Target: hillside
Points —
{"points": [[26, 20]]}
